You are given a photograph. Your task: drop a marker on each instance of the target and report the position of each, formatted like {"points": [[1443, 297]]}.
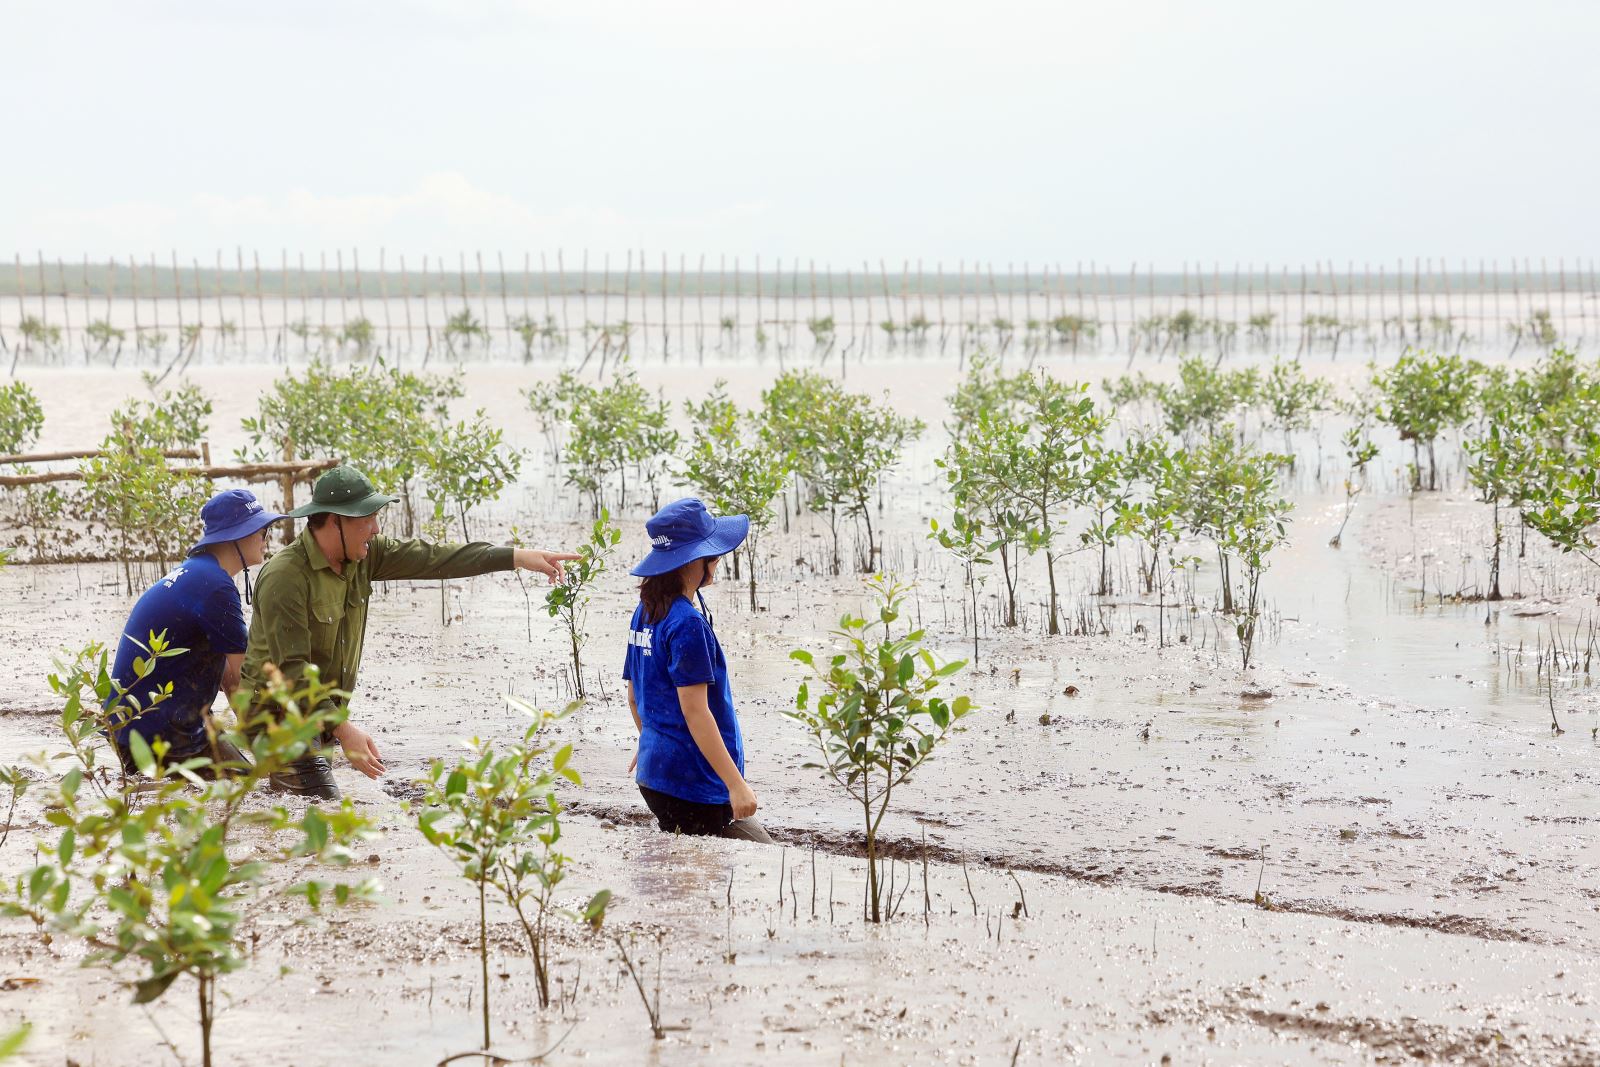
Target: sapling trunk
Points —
{"points": [[577, 666], [1050, 569], [483, 951], [1011, 584], [205, 985], [1494, 559]]}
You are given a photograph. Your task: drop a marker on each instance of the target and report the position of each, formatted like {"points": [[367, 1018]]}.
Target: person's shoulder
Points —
{"points": [[683, 616], [196, 575]]}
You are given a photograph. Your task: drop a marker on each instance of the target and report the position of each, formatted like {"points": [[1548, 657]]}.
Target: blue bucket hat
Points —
{"points": [[685, 531], [230, 515]]}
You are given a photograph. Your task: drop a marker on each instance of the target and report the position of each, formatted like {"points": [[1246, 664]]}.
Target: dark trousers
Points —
{"points": [[226, 759], [676, 816]]}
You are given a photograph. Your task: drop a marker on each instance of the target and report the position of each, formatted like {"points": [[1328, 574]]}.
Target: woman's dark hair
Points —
{"points": [[658, 591]]}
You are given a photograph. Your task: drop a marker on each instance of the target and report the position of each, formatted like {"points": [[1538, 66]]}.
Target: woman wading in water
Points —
{"points": [[690, 763]]}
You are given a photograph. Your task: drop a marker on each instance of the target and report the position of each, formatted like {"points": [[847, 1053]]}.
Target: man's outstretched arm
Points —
{"points": [[423, 560]]}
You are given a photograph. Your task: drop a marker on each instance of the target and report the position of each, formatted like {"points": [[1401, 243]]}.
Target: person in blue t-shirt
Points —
{"points": [[690, 763], [196, 606]]}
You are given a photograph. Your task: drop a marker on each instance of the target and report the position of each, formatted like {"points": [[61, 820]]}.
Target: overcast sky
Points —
{"points": [[1119, 130]]}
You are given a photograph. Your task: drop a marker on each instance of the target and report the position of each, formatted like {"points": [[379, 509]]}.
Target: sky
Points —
{"points": [[1118, 131]]}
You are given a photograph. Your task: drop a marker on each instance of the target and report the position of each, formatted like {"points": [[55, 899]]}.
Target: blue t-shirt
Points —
{"points": [[679, 650], [197, 605]]}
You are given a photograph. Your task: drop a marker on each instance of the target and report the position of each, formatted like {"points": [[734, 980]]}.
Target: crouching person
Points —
{"points": [[194, 607], [312, 599]]}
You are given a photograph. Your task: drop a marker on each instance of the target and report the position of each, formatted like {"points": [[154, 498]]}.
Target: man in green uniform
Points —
{"points": [[311, 604]]}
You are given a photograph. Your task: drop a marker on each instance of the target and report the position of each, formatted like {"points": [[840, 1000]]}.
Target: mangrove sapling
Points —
{"points": [[101, 333], [496, 815], [1259, 326], [1070, 328], [1153, 514], [1254, 525], [976, 493], [15, 783], [569, 600], [1291, 399], [1206, 398], [382, 420], [1359, 453], [965, 539], [35, 331], [788, 427], [985, 388], [821, 330], [553, 403], [21, 417], [1217, 475], [853, 443], [148, 508], [1103, 493], [616, 426], [1041, 458], [734, 470], [1421, 397], [1500, 466], [462, 329], [154, 882], [358, 335], [875, 718], [469, 465]]}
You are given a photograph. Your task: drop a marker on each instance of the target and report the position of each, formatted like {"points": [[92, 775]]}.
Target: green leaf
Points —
{"points": [[69, 841], [11, 1044], [152, 988], [143, 758], [594, 912], [802, 656]]}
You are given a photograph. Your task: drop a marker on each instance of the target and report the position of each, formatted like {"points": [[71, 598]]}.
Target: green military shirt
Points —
{"points": [[306, 612]]}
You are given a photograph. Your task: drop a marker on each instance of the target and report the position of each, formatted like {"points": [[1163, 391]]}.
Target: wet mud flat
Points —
{"points": [[1043, 969], [1400, 805]]}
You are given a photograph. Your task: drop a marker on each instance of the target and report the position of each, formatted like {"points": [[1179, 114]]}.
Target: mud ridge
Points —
{"points": [[912, 851], [1408, 1041]]}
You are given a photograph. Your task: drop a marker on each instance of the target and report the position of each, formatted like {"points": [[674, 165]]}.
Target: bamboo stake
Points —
{"points": [[405, 299], [383, 297]]}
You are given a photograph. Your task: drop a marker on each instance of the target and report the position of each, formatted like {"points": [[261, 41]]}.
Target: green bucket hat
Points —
{"points": [[343, 491]]}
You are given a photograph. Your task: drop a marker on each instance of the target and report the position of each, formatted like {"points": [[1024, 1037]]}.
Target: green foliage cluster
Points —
{"points": [[840, 445], [1539, 452], [147, 506], [35, 331], [609, 430], [146, 876], [1025, 470], [495, 814], [532, 331], [21, 417], [733, 470], [569, 600], [1422, 396], [392, 424], [875, 717], [1181, 330]]}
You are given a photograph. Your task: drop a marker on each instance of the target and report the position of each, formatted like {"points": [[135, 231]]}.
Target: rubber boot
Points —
{"points": [[311, 776]]}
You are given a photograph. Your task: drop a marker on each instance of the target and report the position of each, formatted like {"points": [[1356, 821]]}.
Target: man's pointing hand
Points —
{"points": [[546, 563]]}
